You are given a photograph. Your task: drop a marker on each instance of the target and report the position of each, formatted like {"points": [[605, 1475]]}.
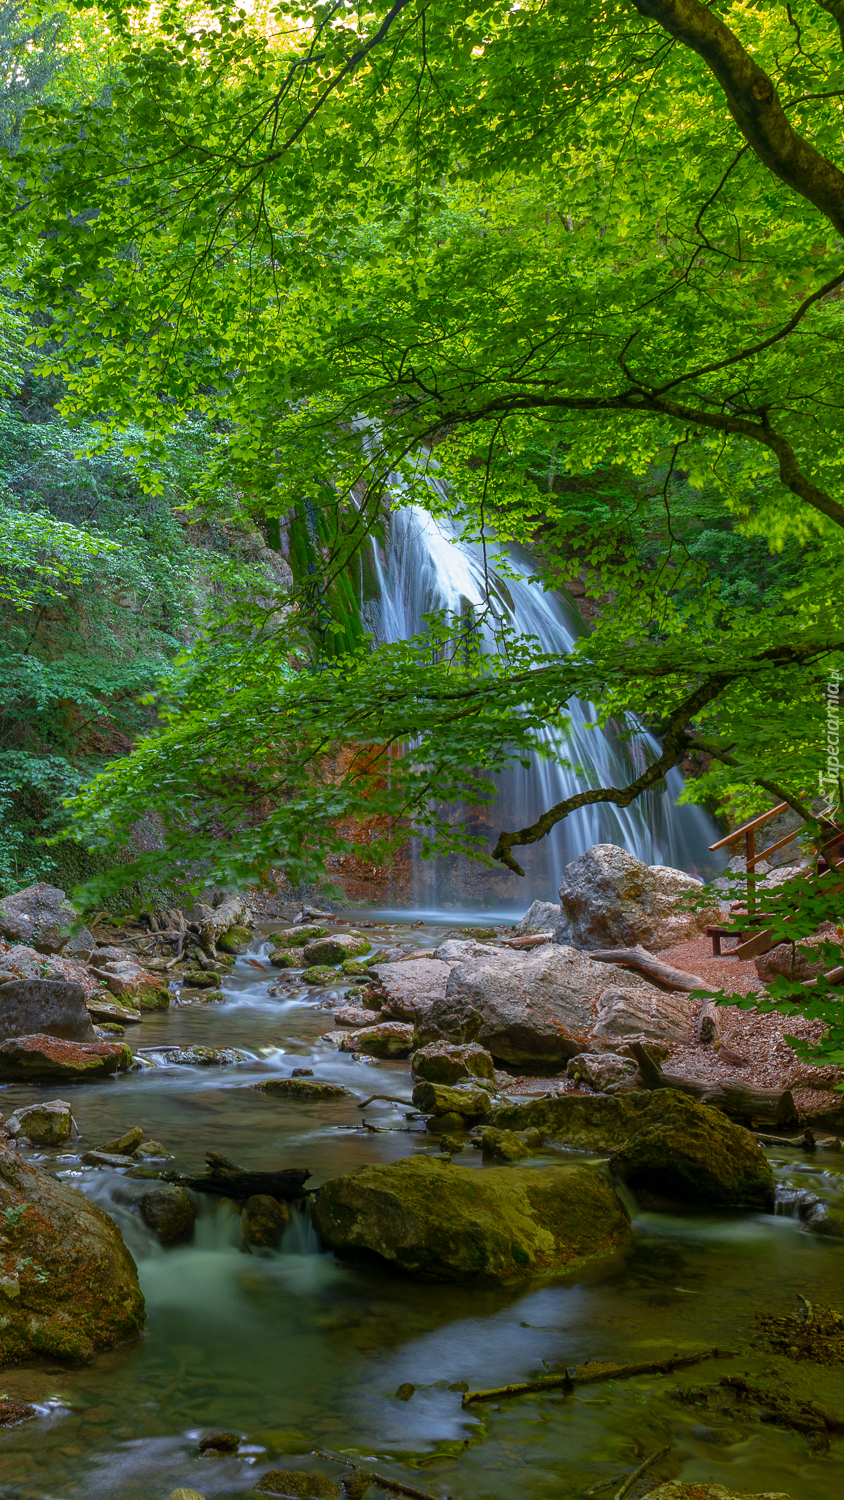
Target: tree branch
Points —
{"points": [[753, 102]]}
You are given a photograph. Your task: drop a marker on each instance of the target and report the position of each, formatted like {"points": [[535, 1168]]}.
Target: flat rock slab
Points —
{"points": [[55, 1007], [410, 988], [102, 1009], [39, 1056], [649, 1012], [663, 1143], [441, 1222], [70, 1284], [528, 1009], [48, 1124]]}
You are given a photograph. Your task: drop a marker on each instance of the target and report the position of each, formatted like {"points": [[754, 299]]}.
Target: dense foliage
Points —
{"points": [[474, 257]]}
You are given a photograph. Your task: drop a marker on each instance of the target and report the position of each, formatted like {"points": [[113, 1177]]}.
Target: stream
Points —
{"points": [[298, 1351]]}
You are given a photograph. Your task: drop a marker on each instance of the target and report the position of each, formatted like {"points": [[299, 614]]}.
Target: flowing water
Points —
{"points": [[296, 1350], [427, 569]]}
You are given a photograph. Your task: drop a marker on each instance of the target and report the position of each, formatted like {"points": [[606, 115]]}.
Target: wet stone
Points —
{"points": [[221, 1442], [169, 1212], [405, 1391], [126, 1142], [298, 1484], [297, 937], [49, 1124], [322, 974], [303, 1088], [202, 979], [284, 958], [202, 1057], [12, 1412], [264, 1219]]}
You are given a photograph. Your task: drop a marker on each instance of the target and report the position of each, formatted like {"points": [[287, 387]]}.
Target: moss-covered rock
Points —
{"points": [[322, 974], [286, 958], [441, 1222], [169, 1212], [335, 948], [236, 940], [68, 1285], [202, 979], [303, 1088], [264, 1219], [35, 1057], [448, 1062], [661, 1142], [438, 1099], [353, 966], [391, 1039], [298, 1484], [297, 937]]}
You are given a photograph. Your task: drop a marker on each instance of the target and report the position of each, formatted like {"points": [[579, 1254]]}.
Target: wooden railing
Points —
{"points": [[748, 833]]}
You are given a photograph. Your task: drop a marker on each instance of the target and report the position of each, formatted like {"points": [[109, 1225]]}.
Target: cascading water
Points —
{"points": [[426, 568]]}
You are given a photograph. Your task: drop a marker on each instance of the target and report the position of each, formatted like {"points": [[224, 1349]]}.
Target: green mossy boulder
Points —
{"points": [[441, 1222], [322, 974], [286, 958], [298, 1484], [297, 937], [202, 979], [438, 1099], [663, 1143], [336, 948], [354, 966], [236, 940], [264, 1219]]}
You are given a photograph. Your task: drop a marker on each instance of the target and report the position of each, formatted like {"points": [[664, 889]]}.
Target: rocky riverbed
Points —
{"points": [[255, 1327]]}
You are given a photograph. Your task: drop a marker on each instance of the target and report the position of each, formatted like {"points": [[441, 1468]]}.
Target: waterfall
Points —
{"points": [[427, 568]]}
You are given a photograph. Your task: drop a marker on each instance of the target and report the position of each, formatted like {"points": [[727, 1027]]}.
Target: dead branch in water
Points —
{"points": [[588, 1374]]}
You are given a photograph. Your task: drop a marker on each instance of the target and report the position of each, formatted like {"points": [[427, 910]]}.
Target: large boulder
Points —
{"points": [[789, 959], [49, 1124], [663, 1142], [335, 947], [408, 989], [439, 1099], [610, 899], [447, 1062], [28, 1058], [53, 1006], [531, 1009], [39, 916], [441, 1222], [68, 1284], [133, 985], [645, 1013]]}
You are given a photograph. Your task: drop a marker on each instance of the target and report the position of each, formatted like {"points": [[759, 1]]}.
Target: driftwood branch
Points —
{"points": [[589, 1374], [631, 1478], [774, 1106], [647, 963], [228, 1180]]}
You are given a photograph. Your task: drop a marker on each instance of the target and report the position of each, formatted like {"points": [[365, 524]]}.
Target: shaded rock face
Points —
{"points": [[55, 1007], [542, 916], [649, 1013], [662, 1142], [610, 899], [528, 1009], [39, 1056], [170, 1213], [39, 916], [441, 1222], [408, 989], [460, 950], [49, 1124], [68, 1285], [447, 1062]]}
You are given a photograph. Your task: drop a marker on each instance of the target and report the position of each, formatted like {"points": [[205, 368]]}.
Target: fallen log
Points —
{"points": [[232, 912], [227, 1179], [738, 1100], [637, 1473], [647, 963], [594, 1371]]}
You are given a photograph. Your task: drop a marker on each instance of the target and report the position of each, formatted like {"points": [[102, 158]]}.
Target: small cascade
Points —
{"points": [[427, 568]]}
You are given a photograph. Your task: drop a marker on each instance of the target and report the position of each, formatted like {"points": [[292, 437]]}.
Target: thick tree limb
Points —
{"points": [[753, 103], [674, 748]]}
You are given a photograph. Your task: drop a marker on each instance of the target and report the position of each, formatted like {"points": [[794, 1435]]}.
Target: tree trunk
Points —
{"points": [[639, 958], [738, 1100]]}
